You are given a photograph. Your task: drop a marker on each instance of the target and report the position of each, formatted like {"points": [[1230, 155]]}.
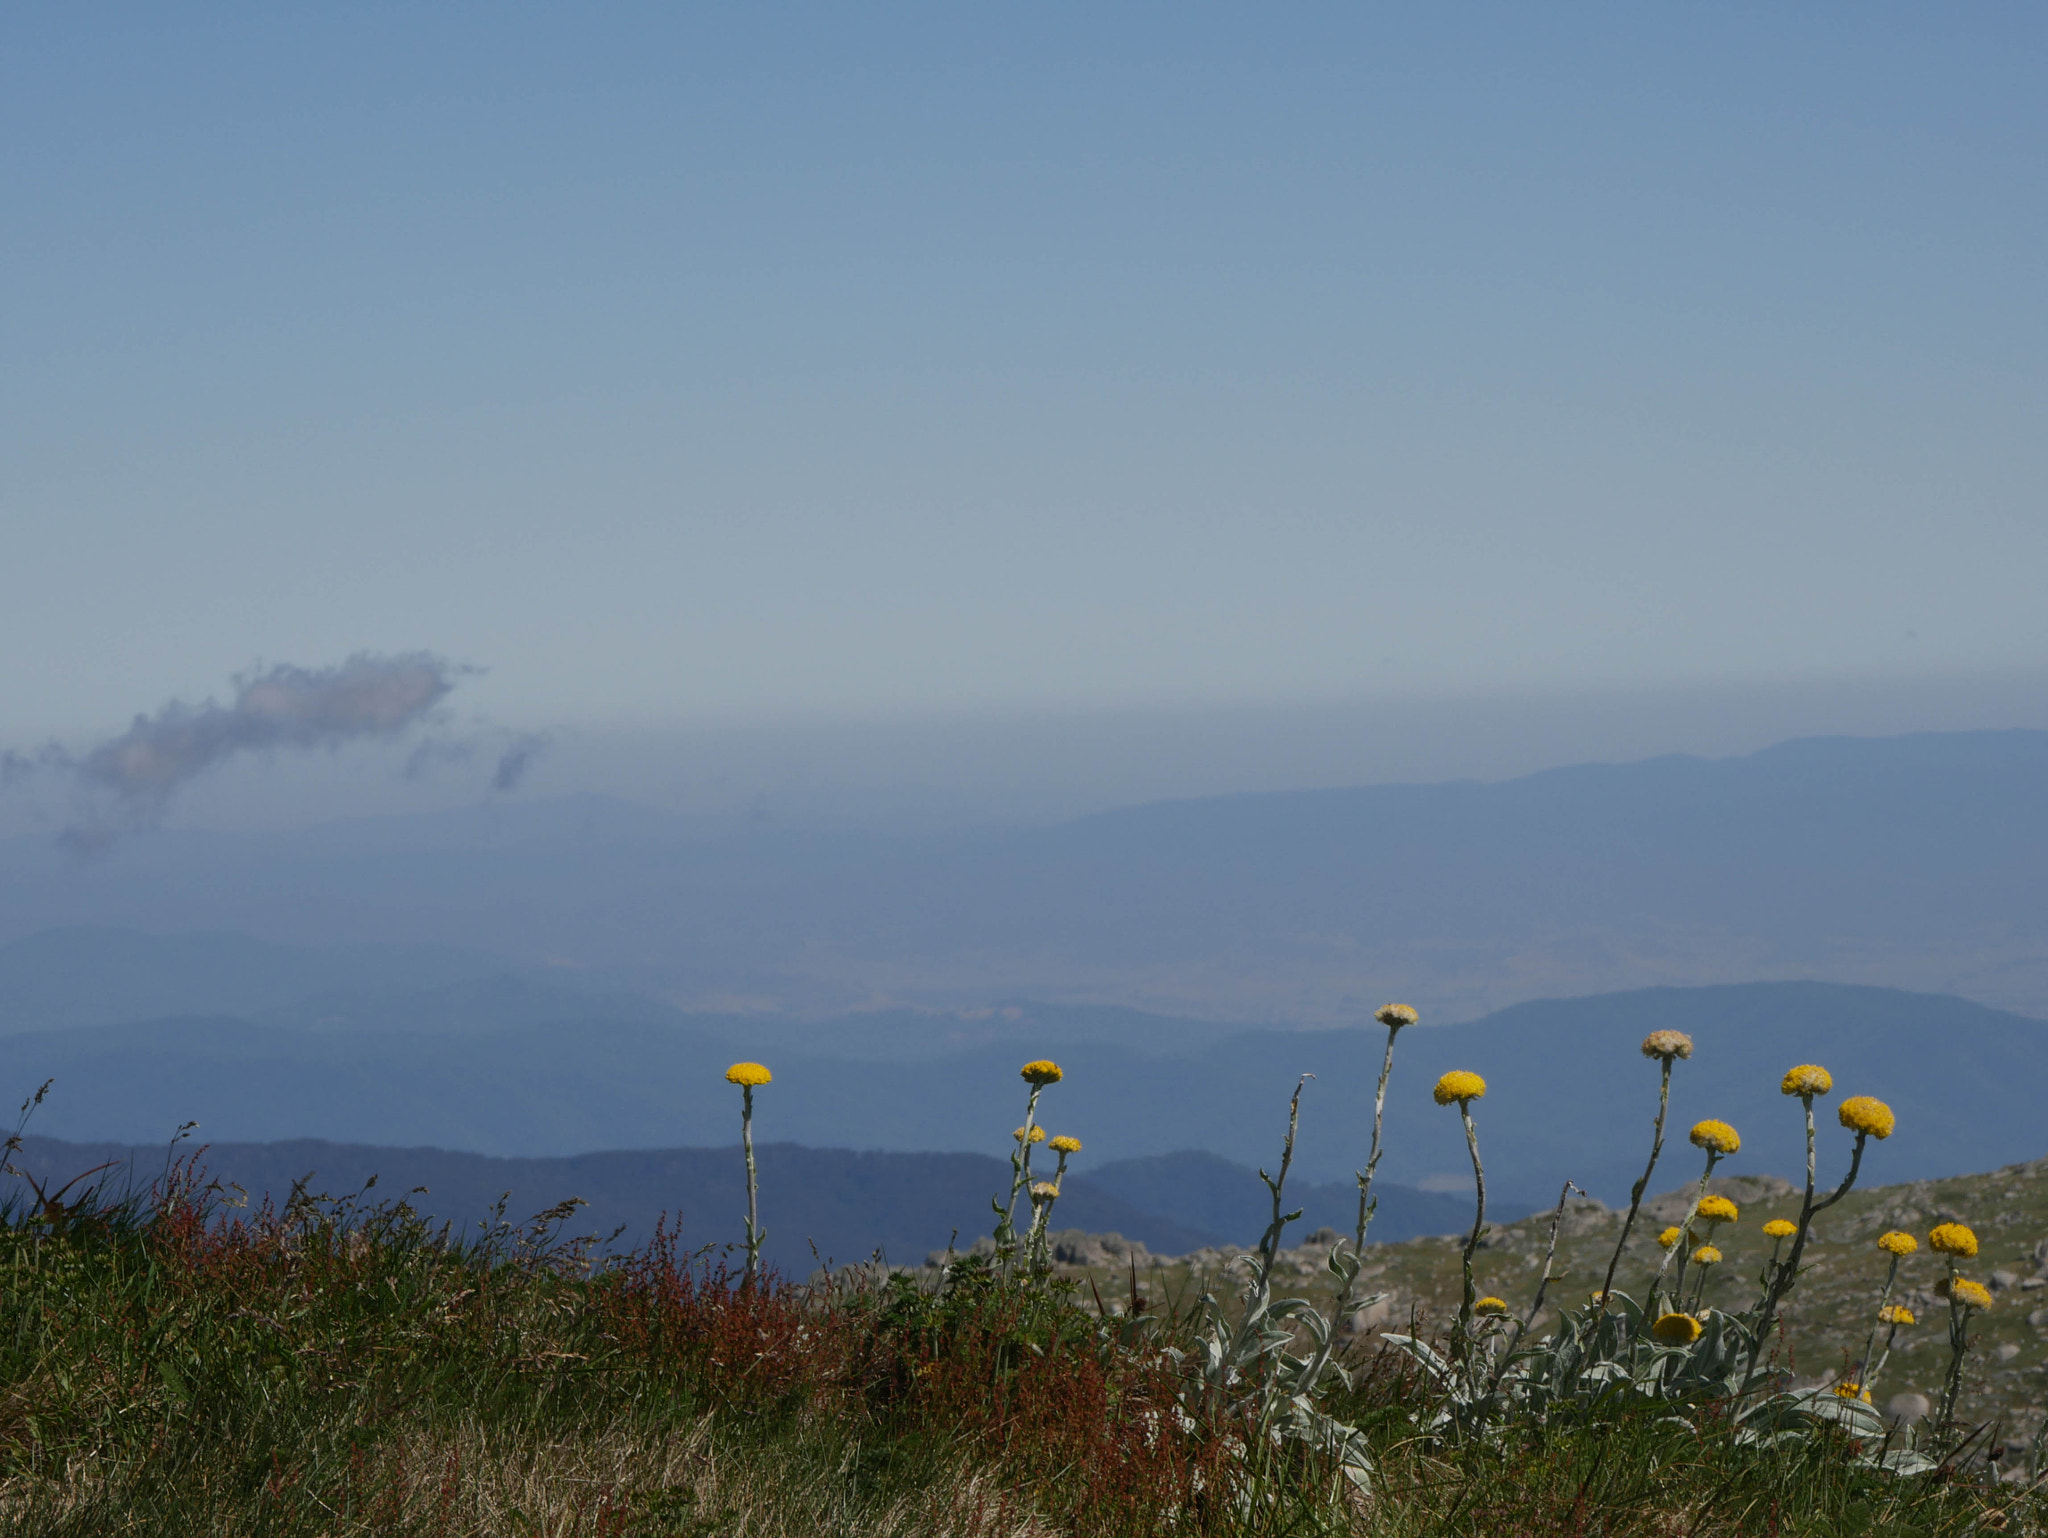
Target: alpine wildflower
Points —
{"points": [[1869, 1116], [1780, 1228], [1896, 1314], [1957, 1239], [1677, 1329], [1716, 1137], [749, 1077], [1806, 1079], [1719, 1209], [1897, 1243], [1459, 1087], [1491, 1306]]}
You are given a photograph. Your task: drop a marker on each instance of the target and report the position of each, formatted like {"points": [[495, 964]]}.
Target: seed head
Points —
{"points": [[1667, 1045], [1395, 1016]]}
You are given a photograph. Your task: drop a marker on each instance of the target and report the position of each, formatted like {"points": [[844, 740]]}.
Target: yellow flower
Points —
{"points": [[1043, 1191], [1716, 1136], [1807, 1079], [1954, 1239], [1042, 1072], [1677, 1329], [1896, 1313], [1718, 1209], [1394, 1016], [748, 1074], [1873, 1118], [1896, 1243], [1706, 1255], [1490, 1306], [1667, 1045], [1669, 1237], [1037, 1134], [1970, 1294], [1780, 1228], [1849, 1388], [1458, 1086], [1066, 1145]]}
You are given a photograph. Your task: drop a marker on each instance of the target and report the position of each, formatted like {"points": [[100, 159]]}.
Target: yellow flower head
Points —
{"points": [[1896, 1243], [1957, 1239], [1597, 1299], [1495, 1306], [1706, 1255], [1667, 1045], [1970, 1294], [1807, 1079], [1849, 1388], [1458, 1086], [748, 1074], [1780, 1228], [1043, 1191], [1677, 1329], [1395, 1016], [1718, 1209], [1872, 1118], [1669, 1237], [1896, 1313], [1716, 1137], [1066, 1145], [1042, 1072], [1035, 1134]]}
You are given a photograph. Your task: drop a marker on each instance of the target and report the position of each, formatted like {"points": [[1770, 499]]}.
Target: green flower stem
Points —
{"points": [[754, 1234], [1478, 1224], [1020, 1169], [1635, 1195], [1684, 1230], [1958, 1345], [1784, 1276], [1863, 1373]]}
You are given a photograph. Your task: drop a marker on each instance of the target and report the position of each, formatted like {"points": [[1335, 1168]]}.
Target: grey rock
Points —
{"points": [[1907, 1407]]}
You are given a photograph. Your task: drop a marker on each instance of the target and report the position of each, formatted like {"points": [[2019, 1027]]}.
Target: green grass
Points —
{"points": [[343, 1369]]}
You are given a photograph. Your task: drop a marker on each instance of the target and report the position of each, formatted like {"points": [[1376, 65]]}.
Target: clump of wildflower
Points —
{"points": [[1897, 1243], [1716, 1137], [1869, 1116], [1667, 1045], [1896, 1314], [1718, 1209], [1041, 1071], [1849, 1388], [1458, 1087], [1677, 1329], [1956, 1239], [1806, 1079], [1066, 1145], [1029, 1134], [1395, 1016], [1493, 1306], [747, 1075], [1706, 1255], [1970, 1294], [1780, 1228]]}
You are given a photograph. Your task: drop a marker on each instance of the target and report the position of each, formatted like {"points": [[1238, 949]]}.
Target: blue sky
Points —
{"points": [[778, 364]]}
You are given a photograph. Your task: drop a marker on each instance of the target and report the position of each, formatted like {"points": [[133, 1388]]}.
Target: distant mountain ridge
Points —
{"points": [[1914, 862], [1569, 1094], [819, 1203]]}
